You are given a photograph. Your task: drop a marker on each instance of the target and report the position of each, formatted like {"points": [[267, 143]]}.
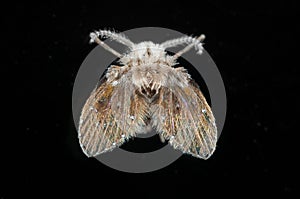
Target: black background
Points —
{"points": [[252, 44]]}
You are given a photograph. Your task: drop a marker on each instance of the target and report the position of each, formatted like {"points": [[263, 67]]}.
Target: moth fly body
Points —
{"points": [[145, 92]]}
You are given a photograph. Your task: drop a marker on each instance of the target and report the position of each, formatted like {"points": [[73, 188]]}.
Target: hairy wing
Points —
{"points": [[182, 116], [112, 114]]}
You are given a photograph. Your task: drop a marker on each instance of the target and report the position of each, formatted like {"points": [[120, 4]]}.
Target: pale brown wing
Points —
{"points": [[112, 114], [182, 116]]}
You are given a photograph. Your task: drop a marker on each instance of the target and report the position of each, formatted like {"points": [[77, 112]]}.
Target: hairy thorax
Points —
{"points": [[149, 67], [150, 78]]}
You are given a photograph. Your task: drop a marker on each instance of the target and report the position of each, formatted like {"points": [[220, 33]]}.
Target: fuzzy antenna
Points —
{"points": [[192, 42], [112, 35]]}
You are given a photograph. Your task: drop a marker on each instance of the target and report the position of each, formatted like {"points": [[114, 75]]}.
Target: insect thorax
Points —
{"points": [[149, 66]]}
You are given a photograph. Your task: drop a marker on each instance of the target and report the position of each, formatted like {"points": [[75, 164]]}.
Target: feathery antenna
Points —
{"points": [[112, 35], [191, 41]]}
